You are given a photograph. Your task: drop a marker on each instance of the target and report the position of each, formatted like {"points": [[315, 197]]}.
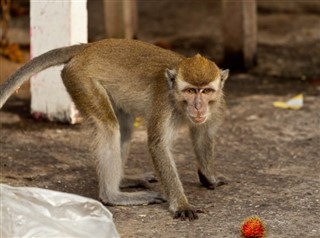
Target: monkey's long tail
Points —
{"points": [[51, 58]]}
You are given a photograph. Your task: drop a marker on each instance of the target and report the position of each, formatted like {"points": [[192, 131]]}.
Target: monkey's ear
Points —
{"points": [[171, 76], [224, 75]]}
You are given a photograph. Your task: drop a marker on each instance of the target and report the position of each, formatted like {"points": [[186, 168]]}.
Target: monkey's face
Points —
{"points": [[197, 85], [197, 102]]}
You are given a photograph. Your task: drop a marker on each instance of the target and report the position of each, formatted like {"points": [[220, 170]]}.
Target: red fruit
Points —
{"points": [[253, 227]]}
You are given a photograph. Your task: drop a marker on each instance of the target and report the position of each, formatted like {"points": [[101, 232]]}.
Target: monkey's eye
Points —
{"points": [[190, 90], [208, 90]]}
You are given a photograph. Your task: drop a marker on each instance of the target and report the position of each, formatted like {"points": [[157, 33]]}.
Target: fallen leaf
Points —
{"points": [[13, 52]]}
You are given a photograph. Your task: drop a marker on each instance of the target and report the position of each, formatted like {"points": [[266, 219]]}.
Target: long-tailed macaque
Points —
{"points": [[112, 81]]}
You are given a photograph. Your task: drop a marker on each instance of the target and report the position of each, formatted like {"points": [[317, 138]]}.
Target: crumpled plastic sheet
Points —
{"points": [[34, 212]]}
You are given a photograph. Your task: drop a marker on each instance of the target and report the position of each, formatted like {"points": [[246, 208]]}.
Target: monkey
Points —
{"points": [[113, 80]]}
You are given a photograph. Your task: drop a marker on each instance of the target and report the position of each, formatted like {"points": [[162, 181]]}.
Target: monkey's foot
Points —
{"points": [[186, 214], [138, 182], [211, 182], [135, 198]]}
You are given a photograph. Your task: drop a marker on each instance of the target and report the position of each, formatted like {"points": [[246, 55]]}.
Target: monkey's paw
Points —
{"points": [[138, 181], [211, 182], [134, 198], [186, 214]]}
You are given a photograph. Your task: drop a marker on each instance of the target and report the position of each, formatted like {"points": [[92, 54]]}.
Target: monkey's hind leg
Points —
{"points": [[110, 175], [93, 102], [126, 129], [138, 181]]}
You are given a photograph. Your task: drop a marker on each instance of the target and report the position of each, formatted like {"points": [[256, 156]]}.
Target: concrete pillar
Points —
{"points": [[55, 24], [121, 18], [240, 33]]}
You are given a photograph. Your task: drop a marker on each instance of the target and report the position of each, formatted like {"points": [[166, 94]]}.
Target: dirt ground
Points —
{"points": [[270, 156]]}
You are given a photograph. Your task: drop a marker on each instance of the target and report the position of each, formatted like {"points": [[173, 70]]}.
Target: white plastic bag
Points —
{"points": [[34, 212]]}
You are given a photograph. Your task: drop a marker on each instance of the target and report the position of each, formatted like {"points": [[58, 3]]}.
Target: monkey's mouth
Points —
{"points": [[198, 119]]}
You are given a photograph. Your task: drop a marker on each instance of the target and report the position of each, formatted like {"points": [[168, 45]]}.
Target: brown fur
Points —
{"points": [[112, 81], [198, 70]]}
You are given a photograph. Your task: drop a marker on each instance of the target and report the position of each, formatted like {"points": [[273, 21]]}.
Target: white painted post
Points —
{"points": [[55, 24]]}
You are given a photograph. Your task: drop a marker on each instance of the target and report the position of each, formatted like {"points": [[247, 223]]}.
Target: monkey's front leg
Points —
{"points": [[168, 175], [203, 138]]}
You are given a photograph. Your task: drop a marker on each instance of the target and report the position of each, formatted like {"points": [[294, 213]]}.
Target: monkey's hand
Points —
{"points": [[186, 214], [211, 182]]}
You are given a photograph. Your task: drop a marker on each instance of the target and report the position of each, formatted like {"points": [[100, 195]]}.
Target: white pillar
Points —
{"points": [[54, 24]]}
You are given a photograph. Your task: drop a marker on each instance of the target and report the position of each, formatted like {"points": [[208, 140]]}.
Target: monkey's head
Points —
{"points": [[196, 84]]}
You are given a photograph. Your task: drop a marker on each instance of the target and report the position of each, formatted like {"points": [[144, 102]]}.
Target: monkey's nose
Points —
{"points": [[198, 106]]}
